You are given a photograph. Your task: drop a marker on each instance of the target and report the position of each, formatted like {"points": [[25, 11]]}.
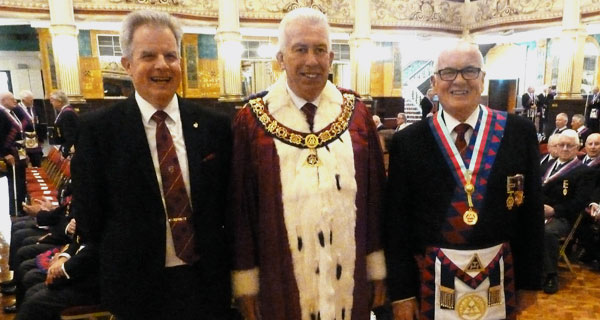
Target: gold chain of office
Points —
{"points": [[300, 139]]}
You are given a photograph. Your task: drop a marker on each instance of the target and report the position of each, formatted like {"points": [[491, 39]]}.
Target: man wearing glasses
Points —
{"points": [[464, 218], [566, 185]]}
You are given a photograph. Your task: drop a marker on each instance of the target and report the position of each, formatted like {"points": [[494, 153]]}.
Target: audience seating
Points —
{"points": [[566, 240]]}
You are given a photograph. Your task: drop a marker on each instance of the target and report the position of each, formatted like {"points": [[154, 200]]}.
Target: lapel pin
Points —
{"points": [[196, 125]]}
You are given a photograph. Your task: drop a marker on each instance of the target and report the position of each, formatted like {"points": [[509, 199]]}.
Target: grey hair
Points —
{"points": [[563, 115], [25, 93], [313, 16], [460, 44], [579, 117], [60, 96], [137, 19], [553, 139], [401, 115]]}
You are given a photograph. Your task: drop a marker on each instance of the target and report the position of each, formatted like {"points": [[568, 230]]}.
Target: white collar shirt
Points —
{"points": [[452, 122], [173, 123]]}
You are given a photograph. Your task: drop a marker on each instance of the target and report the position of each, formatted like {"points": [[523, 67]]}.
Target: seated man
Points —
{"points": [[592, 151], [72, 280], [552, 154], [566, 187]]}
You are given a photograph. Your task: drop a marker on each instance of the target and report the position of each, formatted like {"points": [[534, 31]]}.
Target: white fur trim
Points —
{"points": [[315, 210], [376, 265], [245, 282]]}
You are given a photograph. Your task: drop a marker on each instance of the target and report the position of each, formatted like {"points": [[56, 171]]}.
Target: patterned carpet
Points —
{"points": [[577, 299]]}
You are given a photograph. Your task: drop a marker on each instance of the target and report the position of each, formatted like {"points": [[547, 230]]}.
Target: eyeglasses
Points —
{"points": [[468, 73], [567, 145]]}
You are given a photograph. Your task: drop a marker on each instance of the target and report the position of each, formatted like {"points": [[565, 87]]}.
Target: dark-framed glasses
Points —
{"points": [[468, 73]]}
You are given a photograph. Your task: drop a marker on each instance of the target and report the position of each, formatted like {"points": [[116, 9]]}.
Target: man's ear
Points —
{"points": [[125, 63], [330, 57], [279, 57]]}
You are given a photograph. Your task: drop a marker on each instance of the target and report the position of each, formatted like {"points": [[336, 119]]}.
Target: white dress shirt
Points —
{"points": [[173, 123], [452, 122]]}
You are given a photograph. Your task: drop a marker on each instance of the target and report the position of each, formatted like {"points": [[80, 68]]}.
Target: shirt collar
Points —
{"points": [[147, 110], [452, 122], [299, 102]]}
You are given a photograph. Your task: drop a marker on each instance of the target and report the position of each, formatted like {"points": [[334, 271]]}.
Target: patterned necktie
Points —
{"points": [[557, 167], [174, 192], [309, 110], [460, 142], [587, 160]]}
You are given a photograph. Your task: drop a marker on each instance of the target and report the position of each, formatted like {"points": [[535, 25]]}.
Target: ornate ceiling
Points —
{"points": [[445, 16]]}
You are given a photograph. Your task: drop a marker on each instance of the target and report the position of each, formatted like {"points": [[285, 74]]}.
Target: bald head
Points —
{"points": [[592, 145], [7, 100], [458, 79], [561, 120], [26, 98]]}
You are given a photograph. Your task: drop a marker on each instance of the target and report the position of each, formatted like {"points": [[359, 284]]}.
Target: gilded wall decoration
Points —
{"points": [[494, 12], [338, 11], [199, 8], [427, 13]]}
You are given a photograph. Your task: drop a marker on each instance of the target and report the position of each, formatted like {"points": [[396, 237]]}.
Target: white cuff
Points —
{"points": [[245, 282], [65, 271], [403, 300], [376, 265]]}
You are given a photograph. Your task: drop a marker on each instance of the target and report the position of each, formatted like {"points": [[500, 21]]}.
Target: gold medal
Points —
{"points": [[510, 201], [519, 198], [470, 217], [565, 187], [312, 159]]}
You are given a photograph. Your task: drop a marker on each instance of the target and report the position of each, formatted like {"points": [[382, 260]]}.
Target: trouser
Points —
{"points": [[553, 231]]}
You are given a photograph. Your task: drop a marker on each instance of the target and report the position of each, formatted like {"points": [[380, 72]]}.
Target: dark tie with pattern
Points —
{"points": [[176, 198], [460, 142], [309, 110], [587, 160], [557, 167]]}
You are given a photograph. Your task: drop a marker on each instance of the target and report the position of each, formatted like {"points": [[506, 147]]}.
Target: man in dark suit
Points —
{"points": [[578, 124], [426, 104], [12, 151], [159, 223], [544, 101], [66, 122], [593, 110], [30, 121], [560, 123], [549, 158], [529, 101], [566, 188], [448, 206]]}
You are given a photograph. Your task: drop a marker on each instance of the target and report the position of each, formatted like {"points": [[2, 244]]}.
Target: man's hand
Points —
{"points": [[378, 294], [248, 306], [548, 211], [10, 159], [71, 227], [55, 271], [406, 310], [37, 206]]}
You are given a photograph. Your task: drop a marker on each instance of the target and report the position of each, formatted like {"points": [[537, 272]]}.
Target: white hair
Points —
{"points": [[25, 94], [572, 134], [313, 16], [137, 19]]}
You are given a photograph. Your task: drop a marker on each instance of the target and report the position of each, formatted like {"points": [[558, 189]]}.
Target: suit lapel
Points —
{"points": [[195, 134], [137, 145]]}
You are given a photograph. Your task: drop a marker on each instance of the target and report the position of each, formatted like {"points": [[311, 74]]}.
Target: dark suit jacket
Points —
{"points": [[526, 101], [580, 183], [9, 133], [426, 106], [66, 128], [420, 188], [117, 203]]}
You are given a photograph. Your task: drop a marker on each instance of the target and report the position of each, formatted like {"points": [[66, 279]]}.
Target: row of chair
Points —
{"points": [[45, 181]]}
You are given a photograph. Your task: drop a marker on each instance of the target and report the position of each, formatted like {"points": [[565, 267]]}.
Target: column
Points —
{"points": [[468, 18], [65, 47], [361, 50], [229, 49], [572, 42]]}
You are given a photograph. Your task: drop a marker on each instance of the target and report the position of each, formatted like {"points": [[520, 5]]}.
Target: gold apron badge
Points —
{"points": [[475, 264], [565, 187], [514, 190], [471, 307]]}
